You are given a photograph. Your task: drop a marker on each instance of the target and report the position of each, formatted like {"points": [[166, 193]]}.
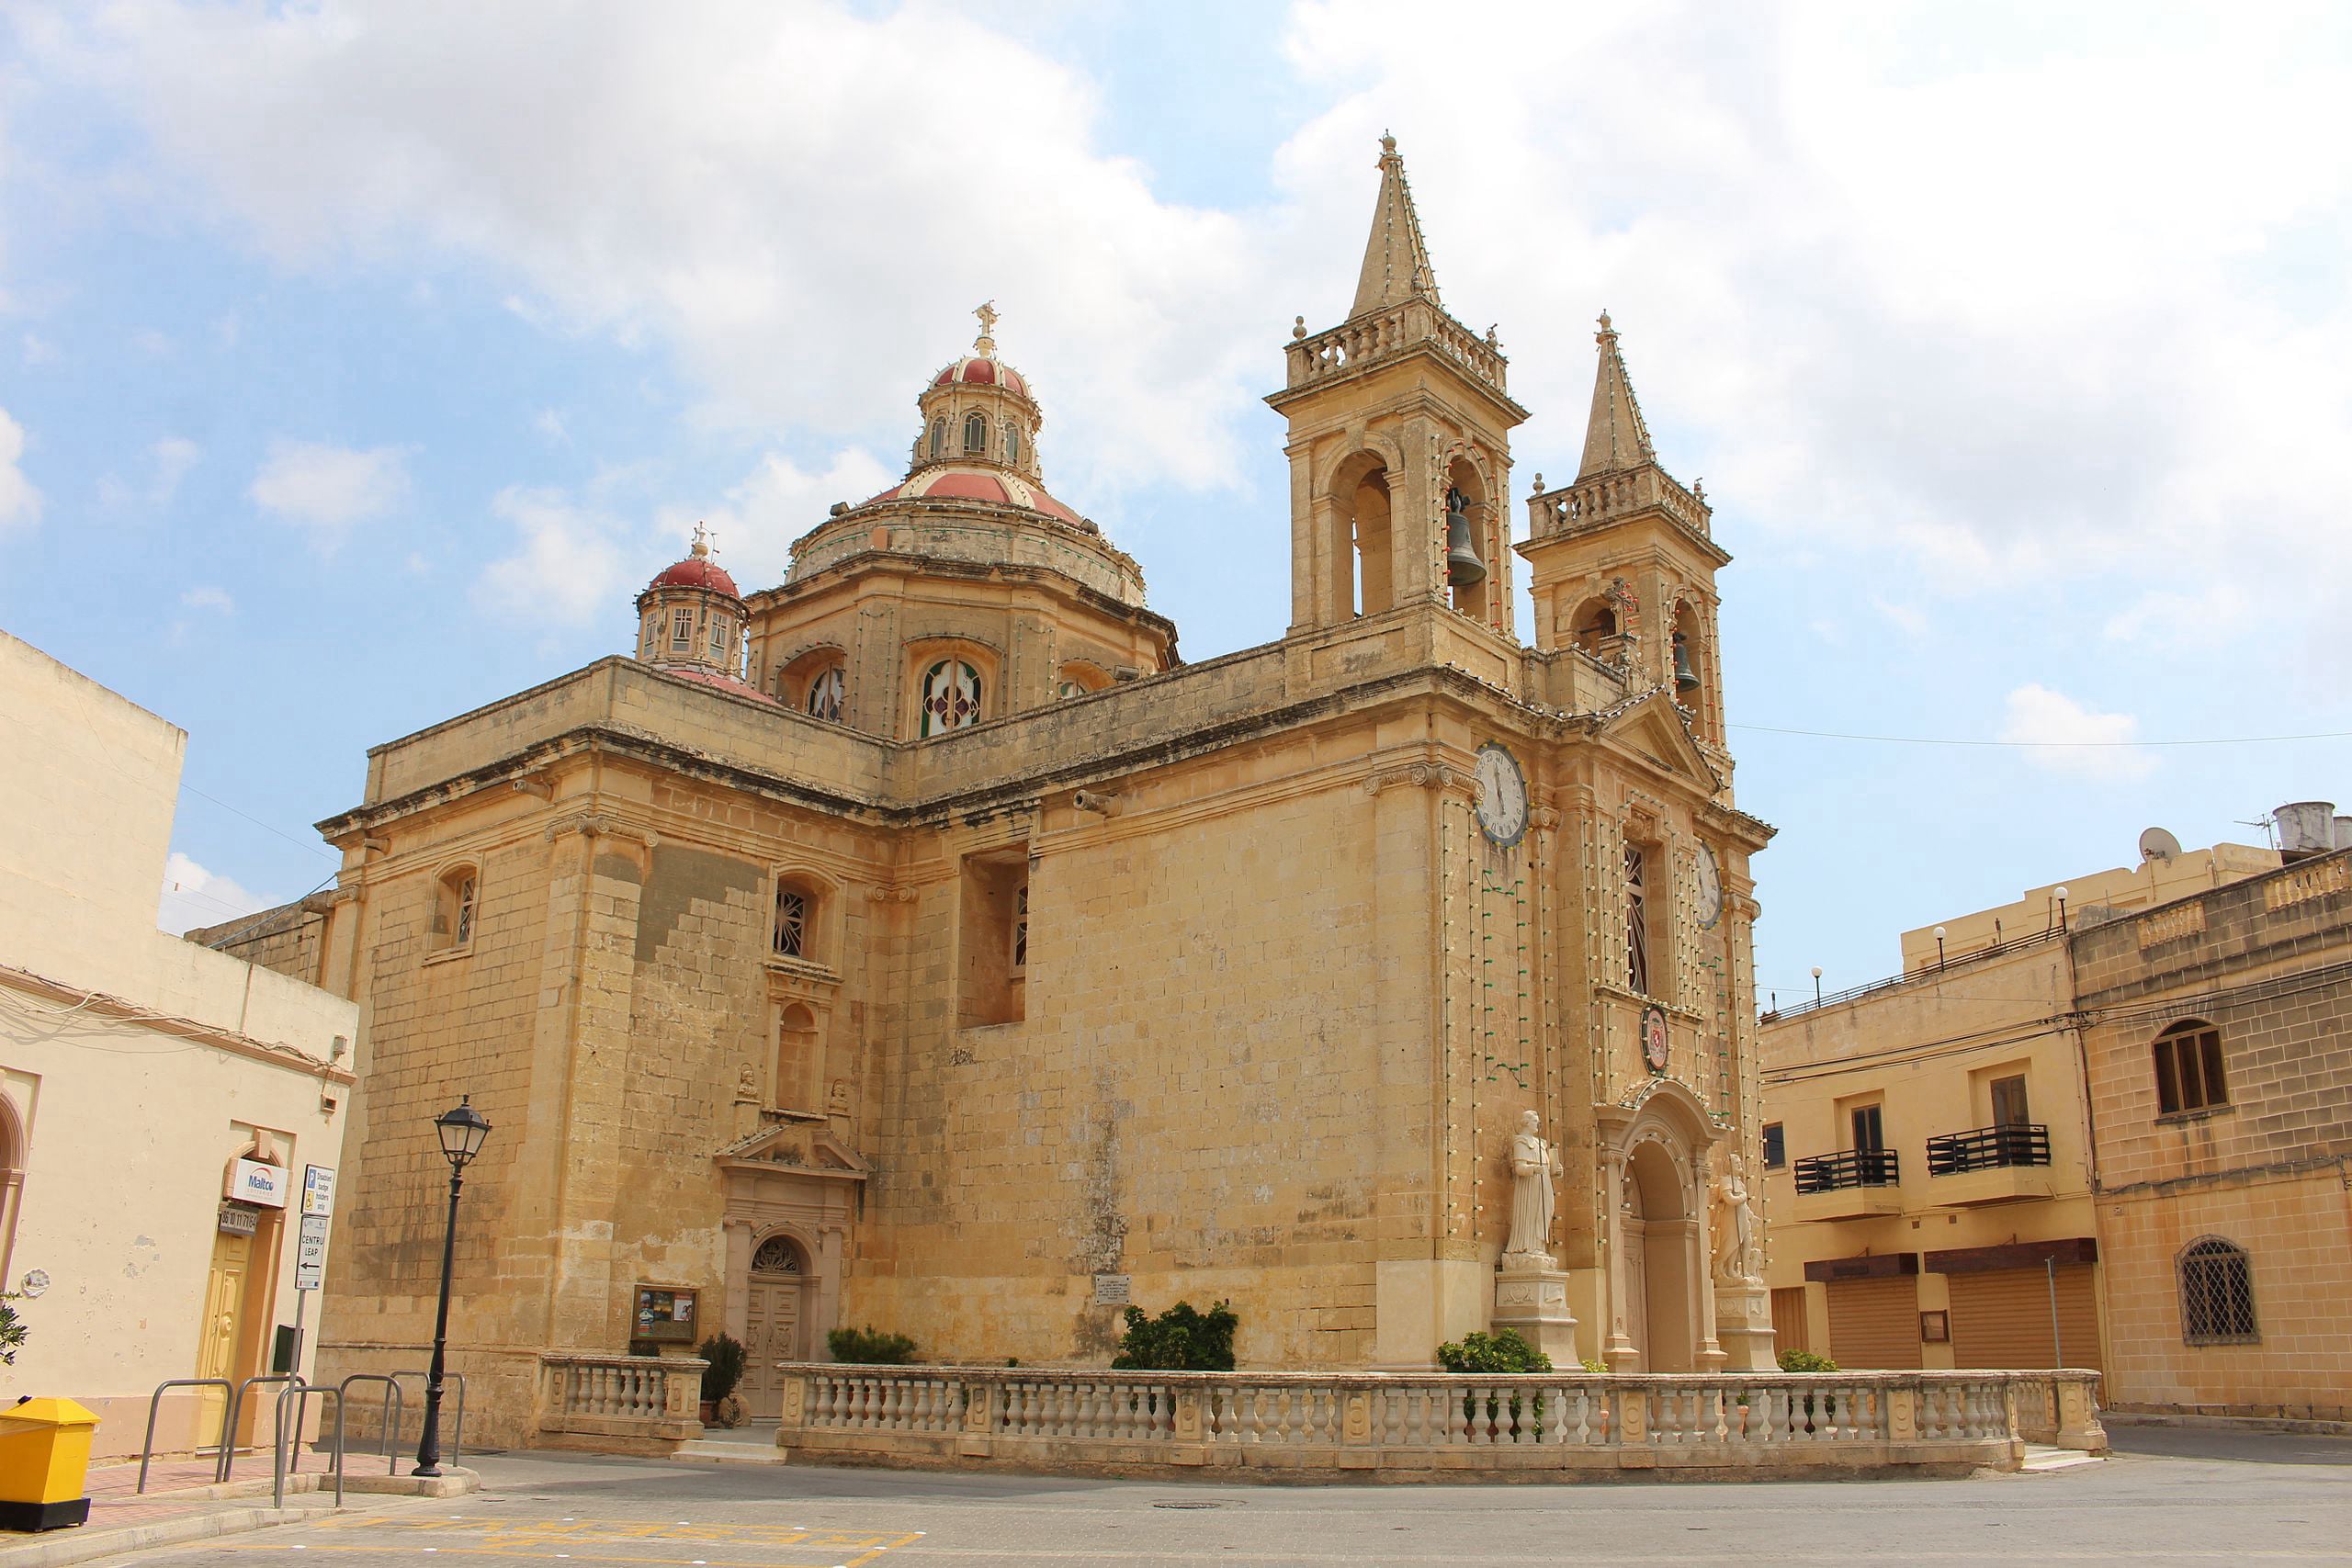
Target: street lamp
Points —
{"points": [[1817, 985], [462, 1131]]}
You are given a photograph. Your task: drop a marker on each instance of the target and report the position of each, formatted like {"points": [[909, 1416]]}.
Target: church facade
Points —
{"points": [[919, 942]]}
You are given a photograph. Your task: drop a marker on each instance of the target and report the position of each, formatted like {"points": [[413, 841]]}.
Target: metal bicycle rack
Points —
{"points": [[343, 1401], [154, 1401], [282, 1451], [457, 1423], [236, 1412]]}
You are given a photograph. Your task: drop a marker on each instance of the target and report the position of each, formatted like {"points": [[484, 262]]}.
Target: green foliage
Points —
{"points": [[726, 1358], [870, 1346], [1178, 1341], [1492, 1354], [1594, 1364], [1805, 1361], [12, 1331]]}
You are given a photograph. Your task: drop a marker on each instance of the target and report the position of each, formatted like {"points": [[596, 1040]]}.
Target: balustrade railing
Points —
{"points": [[1080, 1420], [1355, 343], [654, 1397], [1605, 496], [1849, 1167], [1988, 1148]]}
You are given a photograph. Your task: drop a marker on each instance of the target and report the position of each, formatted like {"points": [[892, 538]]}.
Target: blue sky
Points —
{"points": [[358, 363]]}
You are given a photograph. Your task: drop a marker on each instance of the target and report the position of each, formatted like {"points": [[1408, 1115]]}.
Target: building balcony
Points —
{"points": [[1853, 1184], [1989, 1165]]}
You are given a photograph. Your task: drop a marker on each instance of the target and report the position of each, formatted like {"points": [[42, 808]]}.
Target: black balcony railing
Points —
{"points": [[1988, 1148], [1850, 1168]]}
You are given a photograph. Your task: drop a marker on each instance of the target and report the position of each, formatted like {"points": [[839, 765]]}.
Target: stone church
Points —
{"points": [[921, 942]]}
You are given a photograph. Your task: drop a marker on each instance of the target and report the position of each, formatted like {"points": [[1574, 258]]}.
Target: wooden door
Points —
{"points": [[771, 1334], [222, 1328]]}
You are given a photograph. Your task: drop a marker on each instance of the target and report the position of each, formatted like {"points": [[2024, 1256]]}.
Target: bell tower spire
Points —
{"points": [[1616, 436], [1400, 421], [1395, 258]]}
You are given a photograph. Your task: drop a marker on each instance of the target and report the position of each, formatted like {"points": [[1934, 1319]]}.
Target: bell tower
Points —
{"points": [[1399, 447], [1622, 562]]}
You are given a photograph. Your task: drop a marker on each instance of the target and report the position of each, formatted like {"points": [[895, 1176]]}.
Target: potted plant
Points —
{"points": [[720, 1407]]}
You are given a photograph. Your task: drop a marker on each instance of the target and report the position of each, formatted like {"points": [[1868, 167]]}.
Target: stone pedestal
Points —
{"points": [[1532, 1297], [1744, 1328]]}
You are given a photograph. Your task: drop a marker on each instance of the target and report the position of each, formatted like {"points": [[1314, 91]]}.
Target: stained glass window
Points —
{"points": [[950, 696], [826, 693]]}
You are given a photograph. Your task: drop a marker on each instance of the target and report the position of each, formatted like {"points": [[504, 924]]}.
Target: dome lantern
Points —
{"points": [[980, 411]]}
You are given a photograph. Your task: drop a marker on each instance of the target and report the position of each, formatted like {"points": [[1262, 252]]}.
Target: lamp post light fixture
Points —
{"points": [[2062, 908], [1817, 985], [462, 1130], [1939, 948]]}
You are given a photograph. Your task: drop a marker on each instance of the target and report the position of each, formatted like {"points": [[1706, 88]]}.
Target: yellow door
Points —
{"points": [[223, 1326]]}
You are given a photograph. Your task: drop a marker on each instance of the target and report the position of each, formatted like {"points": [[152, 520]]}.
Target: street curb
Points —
{"points": [[81, 1545]]}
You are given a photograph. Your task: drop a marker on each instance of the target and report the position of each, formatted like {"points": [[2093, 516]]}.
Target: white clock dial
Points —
{"points": [[1502, 796], [1710, 889]]}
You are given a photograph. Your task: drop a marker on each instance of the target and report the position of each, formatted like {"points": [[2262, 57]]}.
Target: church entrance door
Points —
{"points": [[1662, 1259], [771, 1324]]}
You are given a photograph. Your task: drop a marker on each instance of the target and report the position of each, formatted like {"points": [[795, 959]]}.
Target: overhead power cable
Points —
{"points": [[2040, 745]]}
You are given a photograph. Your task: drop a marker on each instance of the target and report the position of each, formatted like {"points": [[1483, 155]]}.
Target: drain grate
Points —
{"points": [[1188, 1505]]}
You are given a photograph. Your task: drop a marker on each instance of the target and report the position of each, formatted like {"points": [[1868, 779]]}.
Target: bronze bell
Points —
{"points": [[1685, 678], [1463, 566]]}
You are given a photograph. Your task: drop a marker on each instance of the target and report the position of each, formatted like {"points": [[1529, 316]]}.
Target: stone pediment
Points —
{"points": [[1651, 725], [801, 1147]]}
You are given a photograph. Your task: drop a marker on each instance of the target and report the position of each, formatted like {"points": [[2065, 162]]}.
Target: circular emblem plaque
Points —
{"points": [[1654, 1038]]}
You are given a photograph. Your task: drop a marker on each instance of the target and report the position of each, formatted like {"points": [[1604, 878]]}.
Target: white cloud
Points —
{"points": [[1906, 618], [2064, 735], [39, 350], [777, 501], [549, 423], [207, 597], [168, 463], [19, 502], [329, 488], [191, 897], [568, 567]]}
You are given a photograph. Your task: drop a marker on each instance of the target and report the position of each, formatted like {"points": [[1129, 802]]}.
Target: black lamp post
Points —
{"points": [[462, 1132]]}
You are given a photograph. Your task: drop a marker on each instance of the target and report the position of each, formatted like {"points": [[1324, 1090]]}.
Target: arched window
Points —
{"points": [[2216, 1294], [1637, 919], [827, 692], [799, 1059], [976, 435], [1594, 626], [1011, 442], [939, 438], [2188, 1068], [950, 696], [453, 908], [682, 631], [794, 931], [777, 1255]]}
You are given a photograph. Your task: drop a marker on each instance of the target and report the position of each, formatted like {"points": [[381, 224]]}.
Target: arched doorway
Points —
{"points": [[775, 1321], [1660, 1243]]}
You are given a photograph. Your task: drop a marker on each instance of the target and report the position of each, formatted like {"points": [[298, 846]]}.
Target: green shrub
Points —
{"points": [[1491, 1354], [1178, 1341], [1805, 1361], [726, 1358], [1594, 1364], [870, 1346]]}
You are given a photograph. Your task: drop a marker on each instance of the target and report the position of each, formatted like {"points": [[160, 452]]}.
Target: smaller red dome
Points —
{"points": [[980, 372], [697, 571]]}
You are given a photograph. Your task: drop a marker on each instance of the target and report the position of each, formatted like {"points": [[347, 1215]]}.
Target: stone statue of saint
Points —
{"points": [[1737, 1259], [1534, 1166]]}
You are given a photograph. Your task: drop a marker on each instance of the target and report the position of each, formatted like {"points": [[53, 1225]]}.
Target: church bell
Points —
{"points": [[1685, 678], [1463, 566]]}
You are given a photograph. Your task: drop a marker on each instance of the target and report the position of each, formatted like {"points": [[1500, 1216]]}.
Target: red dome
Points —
{"points": [[982, 372], [697, 571], [712, 678], [955, 482]]}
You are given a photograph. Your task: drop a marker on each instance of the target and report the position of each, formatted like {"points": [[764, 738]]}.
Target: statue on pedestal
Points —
{"points": [[1737, 1259], [1534, 1166]]}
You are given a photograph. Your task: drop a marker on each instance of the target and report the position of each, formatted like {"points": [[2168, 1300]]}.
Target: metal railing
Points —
{"points": [[1988, 1148], [391, 1424], [1774, 1009], [457, 1419], [154, 1401], [1849, 1167]]}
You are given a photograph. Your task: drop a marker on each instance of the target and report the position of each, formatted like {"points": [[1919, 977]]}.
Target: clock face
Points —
{"points": [[1502, 796], [1654, 1038], [1710, 889]]}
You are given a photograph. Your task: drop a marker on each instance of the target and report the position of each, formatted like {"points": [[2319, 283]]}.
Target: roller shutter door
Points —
{"points": [[1788, 1320], [2001, 1318], [1875, 1324]]}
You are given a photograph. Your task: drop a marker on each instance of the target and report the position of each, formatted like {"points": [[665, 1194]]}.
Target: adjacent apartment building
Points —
{"points": [[1928, 1150], [159, 1103]]}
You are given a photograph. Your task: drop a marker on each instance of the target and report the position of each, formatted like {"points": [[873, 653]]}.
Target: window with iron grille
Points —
{"points": [[2216, 1294], [791, 922], [1637, 921], [2188, 1068], [776, 1256]]}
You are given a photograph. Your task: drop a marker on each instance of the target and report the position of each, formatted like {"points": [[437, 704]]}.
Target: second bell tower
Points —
{"points": [[1400, 421]]}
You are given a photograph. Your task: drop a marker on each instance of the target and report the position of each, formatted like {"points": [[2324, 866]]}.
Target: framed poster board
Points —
{"points": [[665, 1315]]}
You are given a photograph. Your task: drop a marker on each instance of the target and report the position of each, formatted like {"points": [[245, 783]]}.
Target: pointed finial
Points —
{"points": [[702, 542], [1607, 332], [1387, 145], [985, 342]]}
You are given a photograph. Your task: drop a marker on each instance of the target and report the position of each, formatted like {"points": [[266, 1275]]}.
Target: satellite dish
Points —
{"points": [[2157, 844]]}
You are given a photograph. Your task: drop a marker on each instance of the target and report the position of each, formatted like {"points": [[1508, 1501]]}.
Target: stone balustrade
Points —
{"points": [[1606, 496], [1421, 1425], [620, 1404], [1362, 340]]}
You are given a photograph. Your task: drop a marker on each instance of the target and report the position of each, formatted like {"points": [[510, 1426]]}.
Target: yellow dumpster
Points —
{"points": [[44, 1459]]}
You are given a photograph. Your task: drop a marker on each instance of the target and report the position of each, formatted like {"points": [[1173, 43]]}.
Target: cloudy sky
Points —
{"points": [[357, 362]]}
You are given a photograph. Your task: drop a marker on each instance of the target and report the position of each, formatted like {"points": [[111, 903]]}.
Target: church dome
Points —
{"points": [[981, 482], [697, 571], [979, 370]]}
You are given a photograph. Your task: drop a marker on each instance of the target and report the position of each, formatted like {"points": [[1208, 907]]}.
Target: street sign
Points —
{"points": [[318, 1189], [311, 1253]]}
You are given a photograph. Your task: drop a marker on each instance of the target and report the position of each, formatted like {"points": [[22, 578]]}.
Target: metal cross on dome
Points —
{"points": [[987, 312]]}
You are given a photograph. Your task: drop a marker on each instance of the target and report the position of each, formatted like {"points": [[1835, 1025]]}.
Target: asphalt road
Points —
{"points": [[2168, 1496]]}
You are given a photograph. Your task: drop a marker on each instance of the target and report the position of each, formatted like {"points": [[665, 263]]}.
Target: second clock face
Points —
{"points": [[1502, 796], [1710, 889]]}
